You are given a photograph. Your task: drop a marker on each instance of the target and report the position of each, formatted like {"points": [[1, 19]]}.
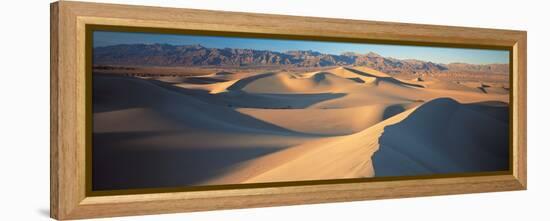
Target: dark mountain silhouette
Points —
{"points": [[197, 55]]}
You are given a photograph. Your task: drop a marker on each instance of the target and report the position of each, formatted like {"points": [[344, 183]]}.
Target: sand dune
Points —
{"points": [[446, 85], [399, 145], [345, 73], [178, 107], [147, 128], [213, 88], [348, 156], [269, 126], [321, 121], [459, 137], [287, 83]]}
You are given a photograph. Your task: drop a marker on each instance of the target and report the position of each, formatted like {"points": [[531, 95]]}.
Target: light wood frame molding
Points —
{"points": [[68, 88]]}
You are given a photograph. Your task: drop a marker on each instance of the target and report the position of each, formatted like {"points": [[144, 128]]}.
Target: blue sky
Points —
{"points": [[433, 54]]}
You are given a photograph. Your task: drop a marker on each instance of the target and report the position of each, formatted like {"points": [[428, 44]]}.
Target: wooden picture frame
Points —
{"points": [[69, 197]]}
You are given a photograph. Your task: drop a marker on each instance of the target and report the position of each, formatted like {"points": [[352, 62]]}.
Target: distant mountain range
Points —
{"points": [[197, 55]]}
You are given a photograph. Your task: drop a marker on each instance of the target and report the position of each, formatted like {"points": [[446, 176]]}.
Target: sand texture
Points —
{"points": [[271, 126]]}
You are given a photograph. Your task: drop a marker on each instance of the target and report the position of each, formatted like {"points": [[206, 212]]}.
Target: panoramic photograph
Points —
{"points": [[181, 110]]}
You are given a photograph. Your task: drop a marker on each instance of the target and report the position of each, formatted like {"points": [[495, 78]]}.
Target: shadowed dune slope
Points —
{"points": [[458, 138]]}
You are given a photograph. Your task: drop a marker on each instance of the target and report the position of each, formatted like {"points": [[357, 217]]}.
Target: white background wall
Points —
{"points": [[24, 109]]}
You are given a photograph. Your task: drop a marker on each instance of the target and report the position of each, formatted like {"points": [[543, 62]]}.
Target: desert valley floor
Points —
{"points": [[228, 127]]}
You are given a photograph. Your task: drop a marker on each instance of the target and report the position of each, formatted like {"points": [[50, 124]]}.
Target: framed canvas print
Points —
{"points": [[159, 110]]}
